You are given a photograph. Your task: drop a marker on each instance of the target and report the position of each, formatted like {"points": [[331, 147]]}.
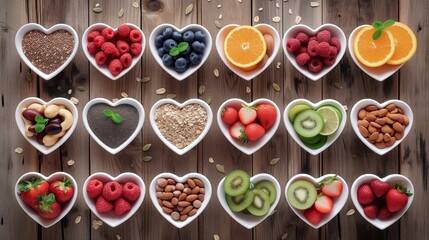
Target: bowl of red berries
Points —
{"points": [[114, 199], [113, 51], [46, 199], [314, 52]]}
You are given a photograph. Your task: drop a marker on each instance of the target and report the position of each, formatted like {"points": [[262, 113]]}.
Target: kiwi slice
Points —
{"points": [[318, 144], [241, 202], [311, 140], [301, 194], [260, 204], [308, 123], [268, 188], [295, 110], [236, 183]]}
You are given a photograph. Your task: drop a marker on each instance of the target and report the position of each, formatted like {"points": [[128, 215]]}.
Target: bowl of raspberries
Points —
{"points": [[314, 52], [113, 51]]}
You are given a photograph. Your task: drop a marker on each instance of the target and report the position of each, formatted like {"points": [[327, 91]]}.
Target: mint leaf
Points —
{"points": [[183, 46], [39, 127], [377, 34], [388, 23], [116, 118], [39, 119], [174, 51], [377, 24], [107, 112]]}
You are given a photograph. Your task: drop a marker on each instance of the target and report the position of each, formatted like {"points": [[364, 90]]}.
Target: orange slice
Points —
{"points": [[405, 43], [373, 53], [245, 47]]}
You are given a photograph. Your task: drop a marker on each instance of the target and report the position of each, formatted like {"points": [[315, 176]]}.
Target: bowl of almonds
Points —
{"points": [[381, 126]]}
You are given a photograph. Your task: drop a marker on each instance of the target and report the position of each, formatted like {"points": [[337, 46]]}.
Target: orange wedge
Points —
{"points": [[245, 47], [373, 53], [405, 43]]}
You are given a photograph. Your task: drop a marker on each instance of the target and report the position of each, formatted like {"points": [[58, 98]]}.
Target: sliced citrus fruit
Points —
{"points": [[370, 52], [331, 119], [405, 43], [245, 47]]}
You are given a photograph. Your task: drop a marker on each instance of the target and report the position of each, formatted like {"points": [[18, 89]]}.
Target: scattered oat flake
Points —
{"points": [[278, 65], [284, 236], [277, 5], [81, 88], [135, 4], [124, 94], [314, 4], [147, 158], [146, 147], [19, 150], [146, 79], [189, 9], [216, 72], [261, 9], [211, 160], [256, 19], [217, 23], [69, 91], [298, 19], [115, 100], [220, 15], [171, 95], [290, 11], [70, 162], [201, 89], [209, 100], [216, 237], [274, 161], [118, 237], [350, 212], [248, 89], [219, 6], [74, 100], [77, 219], [96, 224], [220, 168], [160, 91], [121, 13], [276, 19], [276, 87]]}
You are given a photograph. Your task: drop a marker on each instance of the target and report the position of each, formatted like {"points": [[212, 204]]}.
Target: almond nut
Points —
{"points": [[362, 114], [390, 107], [374, 136], [191, 197], [199, 182], [381, 144], [191, 183], [371, 108], [363, 131], [374, 124], [398, 127]]}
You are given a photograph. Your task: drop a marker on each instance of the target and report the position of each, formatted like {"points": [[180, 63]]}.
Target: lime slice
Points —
{"points": [[331, 118], [340, 115], [295, 110]]}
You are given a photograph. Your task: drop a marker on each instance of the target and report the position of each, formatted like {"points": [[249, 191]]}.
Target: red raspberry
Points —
{"points": [[311, 48], [302, 49], [108, 33], [112, 190], [136, 48], [122, 206], [115, 67], [126, 60], [109, 48], [302, 59], [123, 46], [333, 52], [92, 49], [371, 211], [324, 36], [336, 43], [102, 205], [99, 40], [302, 37], [131, 191], [90, 37], [124, 31], [329, 61], [315, 65], [312, 38], [94, 188], [101, 58], [136, 36], [293, 45], [323, 49]]}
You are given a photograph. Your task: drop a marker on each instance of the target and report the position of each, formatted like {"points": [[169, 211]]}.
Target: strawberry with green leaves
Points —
{"points": [[48, 207], [63, 190], [253, 132], [332, 187], [29, 190], [397, 198]]}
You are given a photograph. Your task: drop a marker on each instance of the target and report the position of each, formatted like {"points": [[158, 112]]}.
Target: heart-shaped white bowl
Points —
{"points": [[32, 140], [105, 69], [378, 73], [193, 27], [248, 220], [173, 147], [335, 31], [391, 180], [338, 202], [207, 196], [249, 147], [34, 26], [365, 102], [331, 138], [110, 218], [124, 101], [65, 208], [247, 75]]}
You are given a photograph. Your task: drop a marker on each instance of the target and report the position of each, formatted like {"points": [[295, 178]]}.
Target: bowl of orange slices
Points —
{"points": [[381, 49]]}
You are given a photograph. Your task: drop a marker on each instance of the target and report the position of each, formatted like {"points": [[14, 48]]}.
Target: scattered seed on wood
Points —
{"points": [[171, 95], [96, 224], [189, 9], [69, 91], [74, 100], [121, 13], [146, 79], [216, 237], [345, 107], [290, 11], [240, 1], [220, 15], [19, 150], [276, 19], [138, 79], [124, 94], [209, 100], [298, 19], [146, 147], [160, 91], [77, 219], [97, 10], [220, 168], [219, 6], [217, 24], [278, 65], [314, 4], [338, 86], [350, 212], [115, 100], [274, 161], [70, 162], [256, 19], [284, 236], [277, 5], [97, 4], [135, 4], [276, 87], [29, 77], [147, 158], [216, 72], [81, 88], [118, 237], [211, 160], [201, 89], [248, 90], [261, 9]]}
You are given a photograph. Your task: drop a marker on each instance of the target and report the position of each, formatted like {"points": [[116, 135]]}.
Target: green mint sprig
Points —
{"points": [[116, 117], [180, 48], [40, 123], [380, 27]]}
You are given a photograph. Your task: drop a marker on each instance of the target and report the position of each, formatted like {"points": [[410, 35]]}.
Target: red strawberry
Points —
{"points": [[253, 132], [48, 207], [94, 188], [266, 114], [102, 205], [112, 191], [122, 206], [236, 130], [379, 187], [131, 191], [384, 213], [313, 215], [332, 187], [365, 194], [323, 204], [29, 190], [397, 198], [229, 115], [247, 114], [371, 211], [63, 190]]}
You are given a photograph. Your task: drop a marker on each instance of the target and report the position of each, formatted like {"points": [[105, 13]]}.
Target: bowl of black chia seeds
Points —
{"points": [[113, 125], [46, 51]]}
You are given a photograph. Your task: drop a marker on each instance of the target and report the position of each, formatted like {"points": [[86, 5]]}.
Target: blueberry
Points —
{"points": [[177, 36], [198, 46], [167, 32], [188, 36], [186, 52], [180, 64], [159, 40], [200, 36], [161, 51], [169, 44], [195, 58], [167, 60]]}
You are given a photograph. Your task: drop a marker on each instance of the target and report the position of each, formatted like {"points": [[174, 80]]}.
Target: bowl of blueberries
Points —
{"points": [[180, 52]]}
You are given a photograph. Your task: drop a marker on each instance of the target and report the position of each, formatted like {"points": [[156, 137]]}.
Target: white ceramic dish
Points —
{"points": [[378, 73], [335, 31], [365, 102], [391, 180], [53, 177], [193, 68], [249, 147], [248, 220], [207, 196], [105, 69], [331, 138], [248, 75], [173, 147], [33, 26], [124, 101], [33, 140], [338, 202]]}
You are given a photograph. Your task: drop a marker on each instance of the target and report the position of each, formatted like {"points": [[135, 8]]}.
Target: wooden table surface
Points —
{"points": [[348, 156]]}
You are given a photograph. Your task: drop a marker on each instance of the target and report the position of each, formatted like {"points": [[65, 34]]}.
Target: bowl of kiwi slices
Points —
{"points": [[248, 200]]}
